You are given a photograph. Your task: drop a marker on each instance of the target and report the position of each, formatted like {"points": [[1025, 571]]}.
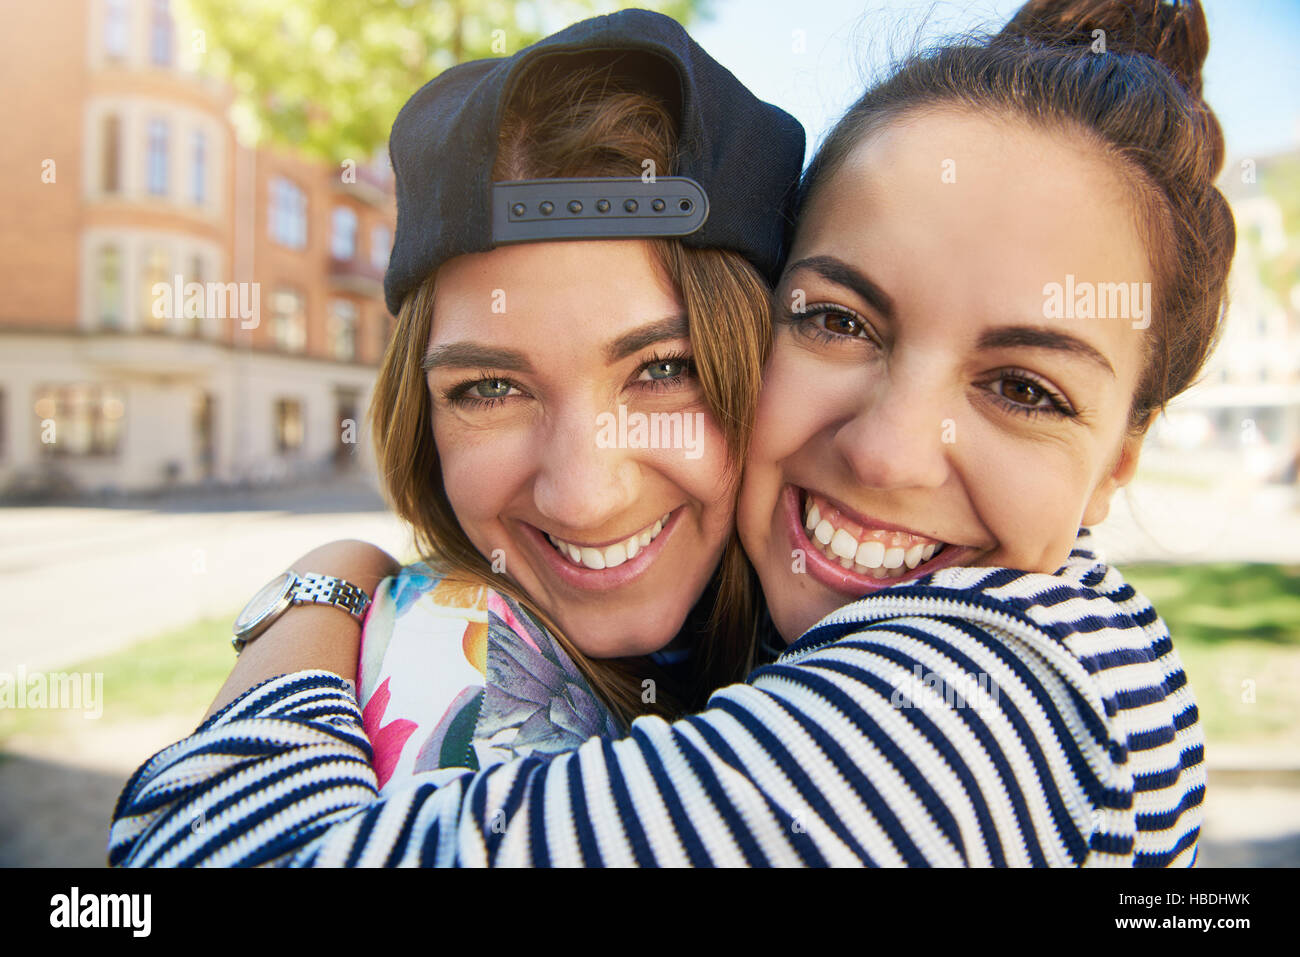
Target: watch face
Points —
{"points": [[264, 602]]}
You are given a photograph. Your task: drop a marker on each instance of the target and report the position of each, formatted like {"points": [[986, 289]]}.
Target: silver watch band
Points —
{"points": [[308, 589], [325, 590]]}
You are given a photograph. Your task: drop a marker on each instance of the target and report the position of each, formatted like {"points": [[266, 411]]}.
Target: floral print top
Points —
{"points": [[455, 675]]}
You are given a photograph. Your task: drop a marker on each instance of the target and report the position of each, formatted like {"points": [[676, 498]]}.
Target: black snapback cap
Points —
{"points": [[737, 164]]}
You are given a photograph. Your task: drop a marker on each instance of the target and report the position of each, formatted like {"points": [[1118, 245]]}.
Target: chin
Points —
{"points": [[622, 634]]}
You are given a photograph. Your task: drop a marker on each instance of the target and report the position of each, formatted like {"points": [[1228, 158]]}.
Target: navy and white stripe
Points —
{"points": [[1087, 750]]}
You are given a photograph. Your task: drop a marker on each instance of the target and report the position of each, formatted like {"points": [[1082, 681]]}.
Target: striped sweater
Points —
{"points": [[974, 717]]}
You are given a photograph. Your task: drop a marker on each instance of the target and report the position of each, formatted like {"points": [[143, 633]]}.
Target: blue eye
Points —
{"points": [[666, 373], [481, 393], [491, 388], [667, 368]]}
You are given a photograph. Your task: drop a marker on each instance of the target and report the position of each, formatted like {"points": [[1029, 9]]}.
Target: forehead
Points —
{"points": [[1011, 200], [970, 217], [551, 294]]}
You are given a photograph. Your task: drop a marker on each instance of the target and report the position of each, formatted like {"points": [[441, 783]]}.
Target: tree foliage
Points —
{"points": [[327, 77]]}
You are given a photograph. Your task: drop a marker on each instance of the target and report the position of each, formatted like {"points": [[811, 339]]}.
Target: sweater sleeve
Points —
{"points": [[922, 726], [878, 747]]}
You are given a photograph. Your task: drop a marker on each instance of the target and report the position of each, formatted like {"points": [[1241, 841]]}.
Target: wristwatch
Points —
{"points": [[288, 589]]}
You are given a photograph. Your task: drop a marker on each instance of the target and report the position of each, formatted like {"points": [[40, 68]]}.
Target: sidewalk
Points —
{"points": [[82, 581]]}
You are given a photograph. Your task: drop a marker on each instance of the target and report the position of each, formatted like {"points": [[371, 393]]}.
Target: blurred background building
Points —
{"points": [[1244, 415], [128, 186]]}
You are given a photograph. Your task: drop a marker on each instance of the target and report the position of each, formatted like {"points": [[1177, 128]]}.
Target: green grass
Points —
{"points": [[175, 673], [1236, 628]]}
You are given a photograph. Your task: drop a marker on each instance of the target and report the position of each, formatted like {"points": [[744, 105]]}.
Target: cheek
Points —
{"points": [[481, 473], [790, 407], [701, 471], [1032, 510]]}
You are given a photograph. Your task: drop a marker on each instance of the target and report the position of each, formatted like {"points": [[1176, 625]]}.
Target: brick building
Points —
{"points": [[123, 184]]}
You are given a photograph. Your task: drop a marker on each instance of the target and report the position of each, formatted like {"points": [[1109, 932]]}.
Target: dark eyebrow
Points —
{"points": [[674, 327], [1010, 337], [842, 274], [473, 355]]}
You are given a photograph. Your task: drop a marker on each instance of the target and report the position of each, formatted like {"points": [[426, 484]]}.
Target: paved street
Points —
{"points": [[83, 581]]}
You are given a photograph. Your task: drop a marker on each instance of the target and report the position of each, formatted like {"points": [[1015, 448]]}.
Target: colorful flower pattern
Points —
{"points": [[456, 675]]}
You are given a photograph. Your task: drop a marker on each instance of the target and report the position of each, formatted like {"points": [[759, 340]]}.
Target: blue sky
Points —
{"points": [[1251, 77]]}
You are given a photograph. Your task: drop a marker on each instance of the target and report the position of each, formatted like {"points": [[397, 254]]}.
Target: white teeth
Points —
{"points": [[813, 518], [872, 557], [612, 556], [871, 554], [844, 545]]}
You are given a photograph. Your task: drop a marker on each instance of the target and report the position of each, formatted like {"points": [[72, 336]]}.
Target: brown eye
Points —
{"points": [[842, 324], [1022, 392]]}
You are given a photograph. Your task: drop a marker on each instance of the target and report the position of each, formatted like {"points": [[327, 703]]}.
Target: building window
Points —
{"points": [[343, 236], [161, 33], [288, 320], [79, 419], [288, 218], [343, 329], [111, 171], [199, 167], [156, 175], [108, 286], [157, 266], [289, 432], [191, 323], [381, 241], [117, 29]]}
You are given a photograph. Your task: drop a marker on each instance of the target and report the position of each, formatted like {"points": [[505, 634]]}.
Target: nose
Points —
{"points": [[900, 435], [579, 485]]}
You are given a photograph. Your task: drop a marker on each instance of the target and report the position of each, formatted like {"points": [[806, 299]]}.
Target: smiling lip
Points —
{"points": [[605, 579], [848, 581]]}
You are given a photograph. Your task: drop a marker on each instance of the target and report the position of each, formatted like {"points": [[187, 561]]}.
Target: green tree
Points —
{"points": [[327, 77], [1280, 179]]}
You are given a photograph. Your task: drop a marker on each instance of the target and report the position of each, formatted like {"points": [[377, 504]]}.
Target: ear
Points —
{"points": [[1098, 507]]}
